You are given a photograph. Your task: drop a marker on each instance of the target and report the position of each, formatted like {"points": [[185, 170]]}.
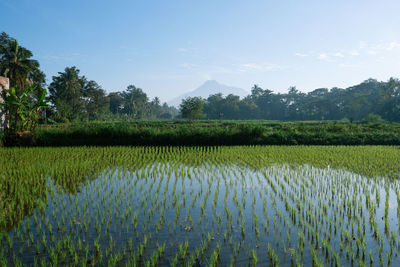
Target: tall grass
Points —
{"points": [[186, 133]]}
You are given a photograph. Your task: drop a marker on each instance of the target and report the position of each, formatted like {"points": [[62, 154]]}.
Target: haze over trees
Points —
{"points": [[74, 97], [209, 87], [192, 108], [353, 103]]}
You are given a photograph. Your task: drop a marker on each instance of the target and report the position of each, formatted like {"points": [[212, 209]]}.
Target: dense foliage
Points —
{"points": [[75, 98], [370, 99], [354, 103], [16, 63], [23, 114], [180, 132], [192, 108]]}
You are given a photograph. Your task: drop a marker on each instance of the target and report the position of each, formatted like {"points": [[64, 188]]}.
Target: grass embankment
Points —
{"points": [[188, 133]]}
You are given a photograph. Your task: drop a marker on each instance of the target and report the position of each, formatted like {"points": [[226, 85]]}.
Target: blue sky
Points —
{"points": [[171, 47]]}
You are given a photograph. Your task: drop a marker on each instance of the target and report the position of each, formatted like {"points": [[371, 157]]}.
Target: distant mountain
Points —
{"points": [[208, 88]]}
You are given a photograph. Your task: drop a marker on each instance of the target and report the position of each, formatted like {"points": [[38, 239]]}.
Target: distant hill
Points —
{"points": [[208, 88]]}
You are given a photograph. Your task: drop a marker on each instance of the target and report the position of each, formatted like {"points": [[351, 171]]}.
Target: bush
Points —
{"points": [[189, 133], [373, 118]]}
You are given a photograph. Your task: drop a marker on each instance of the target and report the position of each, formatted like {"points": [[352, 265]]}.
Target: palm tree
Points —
{"points": [[136, 102], [17, 65], [66, 93]]}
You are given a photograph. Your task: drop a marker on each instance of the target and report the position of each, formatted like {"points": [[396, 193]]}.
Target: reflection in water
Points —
{"points": [[166, 213]]}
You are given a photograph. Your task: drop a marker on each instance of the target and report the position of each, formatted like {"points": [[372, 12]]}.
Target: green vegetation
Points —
{"points": [[23, 114], [17, 64], [180, 132], [192, 108], [355, 103], [268, 205], [179, 197], [75, 98]]}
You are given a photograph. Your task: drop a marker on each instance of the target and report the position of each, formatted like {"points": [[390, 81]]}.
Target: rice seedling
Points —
{"points": [[253, 257], [152, 206]]}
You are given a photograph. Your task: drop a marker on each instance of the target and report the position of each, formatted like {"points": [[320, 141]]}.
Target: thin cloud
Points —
{"points": [[330, 57], [378, 48], [323, 56], [167, 77], [260, 67], [393, 45], [301, 55], [188, 65], [66, 57], [353, 53], [338, 54], [346, 65], [362, 45], [388, 46], [364, 48]]}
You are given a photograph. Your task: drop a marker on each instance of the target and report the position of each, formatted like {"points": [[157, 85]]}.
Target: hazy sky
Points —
{"points": [[171, 47]]}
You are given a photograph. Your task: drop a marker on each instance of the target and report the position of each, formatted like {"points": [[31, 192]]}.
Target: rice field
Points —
{"points": [[200, 206]]}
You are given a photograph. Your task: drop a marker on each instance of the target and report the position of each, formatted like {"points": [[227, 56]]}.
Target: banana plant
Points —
{"points": [[23, 114], [11, 104], [30, 112]]}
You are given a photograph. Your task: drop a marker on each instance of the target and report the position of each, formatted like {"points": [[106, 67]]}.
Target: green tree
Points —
{"points": [[116, 102], [74, 97], [263, 99], [168, 112], [66, 94], [96, 101], [17, 64], [373, 118], [155, 107], [135, 102], [389, 100], [192, 108], [212, 106]]}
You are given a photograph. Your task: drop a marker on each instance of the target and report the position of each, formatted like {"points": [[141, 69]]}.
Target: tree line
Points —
{"points": [[369, 99], [73, 97]]}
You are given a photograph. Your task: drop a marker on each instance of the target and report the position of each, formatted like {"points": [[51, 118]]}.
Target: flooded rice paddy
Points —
{"points": [[241, 206]]}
